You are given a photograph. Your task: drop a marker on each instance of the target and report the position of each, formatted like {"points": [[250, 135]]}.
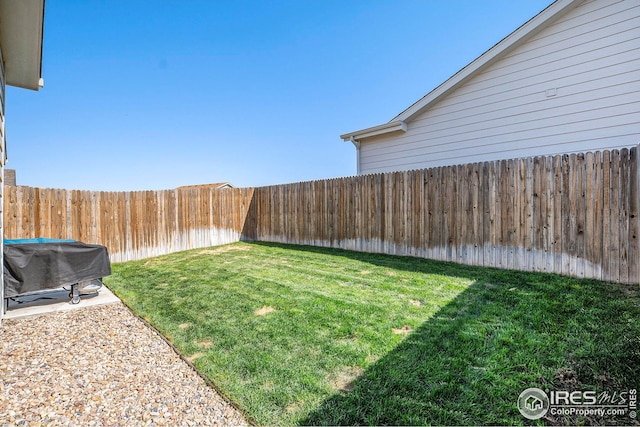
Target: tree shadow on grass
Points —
{"points": [[506, 332]]}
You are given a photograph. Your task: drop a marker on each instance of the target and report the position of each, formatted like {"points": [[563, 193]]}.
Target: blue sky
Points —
{"points": [[154, 94]]}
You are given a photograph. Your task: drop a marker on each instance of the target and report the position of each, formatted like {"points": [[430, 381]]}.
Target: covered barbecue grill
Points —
{"points": [[34, 265]]}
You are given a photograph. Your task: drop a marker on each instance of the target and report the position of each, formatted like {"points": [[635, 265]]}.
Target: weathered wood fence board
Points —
{"points": [[132, 225], [574, 214]]}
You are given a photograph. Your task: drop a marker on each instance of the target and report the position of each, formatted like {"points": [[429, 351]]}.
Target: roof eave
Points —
{"points": [[394, 126], [21, 36]]}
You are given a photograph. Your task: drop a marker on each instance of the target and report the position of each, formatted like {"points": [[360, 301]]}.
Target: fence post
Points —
{"points": [[634, 217]]}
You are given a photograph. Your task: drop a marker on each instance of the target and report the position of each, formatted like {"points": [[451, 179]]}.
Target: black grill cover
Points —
{"points": [[37, 266]]}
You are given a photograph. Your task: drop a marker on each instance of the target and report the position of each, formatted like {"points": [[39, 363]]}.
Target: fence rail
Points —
{"points": [[575, 215]]}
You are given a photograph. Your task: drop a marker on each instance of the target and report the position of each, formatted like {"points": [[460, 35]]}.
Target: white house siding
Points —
{"points": [[2, 160], [590, 58]]}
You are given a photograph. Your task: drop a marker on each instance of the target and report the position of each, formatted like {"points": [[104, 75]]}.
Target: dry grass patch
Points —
{"points": [[416, 303], [294, 407], [365, 272], [184, 325], [264, 310], [222, 250], [194, 356], [567, 377], [206, 344], [372, 358], [402, 331], [344, 379]]}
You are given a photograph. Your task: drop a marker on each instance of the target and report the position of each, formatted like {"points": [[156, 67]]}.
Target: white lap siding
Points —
{"points": [[573, 87], [3, 156]]}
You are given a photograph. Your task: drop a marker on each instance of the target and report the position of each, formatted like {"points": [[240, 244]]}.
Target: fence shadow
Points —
{"points": [[506, 332]]}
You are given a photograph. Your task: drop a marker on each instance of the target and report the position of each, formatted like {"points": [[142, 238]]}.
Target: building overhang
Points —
{"points": [[21, 35], [357, 136]]}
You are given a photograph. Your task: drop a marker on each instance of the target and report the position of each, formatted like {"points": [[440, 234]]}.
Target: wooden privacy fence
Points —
{"points": [[132, 225], [575, 215]]}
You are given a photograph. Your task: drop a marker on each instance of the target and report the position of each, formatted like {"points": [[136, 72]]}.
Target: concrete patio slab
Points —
{"points": [[55, 300]]}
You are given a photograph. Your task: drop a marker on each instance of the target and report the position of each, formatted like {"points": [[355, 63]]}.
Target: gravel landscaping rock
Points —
{"points": [[100, 366]]}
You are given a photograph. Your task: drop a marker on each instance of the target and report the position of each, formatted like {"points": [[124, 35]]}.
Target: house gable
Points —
{"points": [[572, 86], [214, 186]]}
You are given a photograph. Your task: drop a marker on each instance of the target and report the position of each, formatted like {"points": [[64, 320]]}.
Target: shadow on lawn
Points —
{"points": [[506, 332]]}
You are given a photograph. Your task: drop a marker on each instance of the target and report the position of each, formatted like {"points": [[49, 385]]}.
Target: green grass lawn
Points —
{"points": [[303, 335]]}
